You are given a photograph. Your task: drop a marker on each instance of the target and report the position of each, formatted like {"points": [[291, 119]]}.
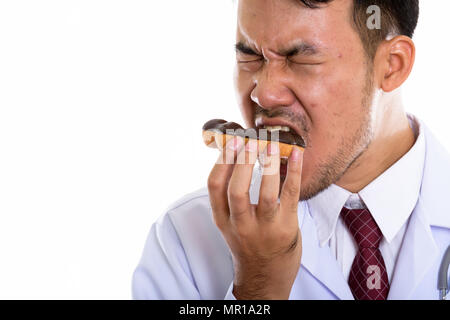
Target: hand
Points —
{"points": [[264, 239]]}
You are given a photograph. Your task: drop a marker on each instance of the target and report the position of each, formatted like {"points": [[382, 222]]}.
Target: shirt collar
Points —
{"points": [[390, 198], [325, 209]]}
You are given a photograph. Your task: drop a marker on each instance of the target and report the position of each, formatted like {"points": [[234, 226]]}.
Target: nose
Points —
{"points": [[271, 89]]}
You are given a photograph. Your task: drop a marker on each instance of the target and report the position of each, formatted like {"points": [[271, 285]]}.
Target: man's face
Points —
{"points": [[306, 69]]}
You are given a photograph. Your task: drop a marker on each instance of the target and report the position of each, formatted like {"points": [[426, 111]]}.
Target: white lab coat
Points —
{"points": [[186, 257]]}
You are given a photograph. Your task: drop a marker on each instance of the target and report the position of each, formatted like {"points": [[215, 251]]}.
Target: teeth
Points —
{"points": [[273, 128], [277, 128]]}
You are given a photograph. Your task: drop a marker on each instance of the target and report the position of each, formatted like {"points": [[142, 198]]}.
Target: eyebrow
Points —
{"points": [[302, 48]]}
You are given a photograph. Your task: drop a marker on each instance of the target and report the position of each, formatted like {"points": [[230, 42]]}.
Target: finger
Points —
{"points": [[218, 181], [290, 193], [270, 182], [238, 188]]}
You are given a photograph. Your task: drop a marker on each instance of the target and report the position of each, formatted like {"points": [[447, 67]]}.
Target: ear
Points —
{"points": [[394, 61]]}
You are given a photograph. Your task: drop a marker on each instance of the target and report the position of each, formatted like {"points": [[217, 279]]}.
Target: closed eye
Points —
{"points": [[243, 49], [249, 60], [245, 54], [305, 62]]}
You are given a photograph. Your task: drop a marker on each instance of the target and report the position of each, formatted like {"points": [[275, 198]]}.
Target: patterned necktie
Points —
{"points": [[368, 279]]}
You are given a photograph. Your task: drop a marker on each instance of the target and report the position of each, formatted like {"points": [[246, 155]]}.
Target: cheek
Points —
{"points": [[335, 87], [336, 115], [334, 104], [337, 96]]}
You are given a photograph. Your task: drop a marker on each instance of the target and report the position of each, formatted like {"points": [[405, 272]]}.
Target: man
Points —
{"points": [[373, 219]]}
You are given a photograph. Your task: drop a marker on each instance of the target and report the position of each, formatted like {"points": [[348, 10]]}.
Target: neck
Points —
{"points": [[393, 138]]}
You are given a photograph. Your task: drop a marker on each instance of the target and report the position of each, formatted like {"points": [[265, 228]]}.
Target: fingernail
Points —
{"points": [[251, 146], [295, 154], [234, 144], [273, 149]]}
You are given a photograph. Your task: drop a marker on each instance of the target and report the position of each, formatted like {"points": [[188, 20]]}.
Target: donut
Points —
{"points": [[217, 132]]}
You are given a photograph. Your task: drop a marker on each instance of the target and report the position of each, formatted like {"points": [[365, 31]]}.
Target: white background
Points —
{"points": [[90, 94]]}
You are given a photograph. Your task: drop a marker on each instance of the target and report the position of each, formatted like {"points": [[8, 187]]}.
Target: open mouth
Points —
{"points": [[283, 134], [287, 135]]}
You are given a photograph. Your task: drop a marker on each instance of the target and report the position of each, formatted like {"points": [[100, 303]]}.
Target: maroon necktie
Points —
{"points": [[368, 279]]}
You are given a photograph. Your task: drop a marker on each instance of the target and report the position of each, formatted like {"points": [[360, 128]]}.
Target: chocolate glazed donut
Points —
{"points": [[217, 132]]}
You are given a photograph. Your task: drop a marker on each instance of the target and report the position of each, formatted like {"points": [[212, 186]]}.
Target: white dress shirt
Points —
{"points": [[390, 198]]}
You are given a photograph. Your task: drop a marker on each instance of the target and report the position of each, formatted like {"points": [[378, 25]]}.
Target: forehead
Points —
{"points": [[276, 24]]}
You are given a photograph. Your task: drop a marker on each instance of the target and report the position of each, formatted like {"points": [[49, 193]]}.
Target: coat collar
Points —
{"points": [[436, 182], [418, 253], [318, 260], [419, 250]]}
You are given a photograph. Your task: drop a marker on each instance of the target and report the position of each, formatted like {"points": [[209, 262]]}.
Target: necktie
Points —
{"points": [[368, 279]]}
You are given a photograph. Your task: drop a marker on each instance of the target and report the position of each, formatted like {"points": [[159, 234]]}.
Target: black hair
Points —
{"points": [[398, 17]]}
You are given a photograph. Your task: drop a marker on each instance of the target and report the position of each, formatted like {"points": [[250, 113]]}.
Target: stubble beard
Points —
{"points": [[332, 169]]}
